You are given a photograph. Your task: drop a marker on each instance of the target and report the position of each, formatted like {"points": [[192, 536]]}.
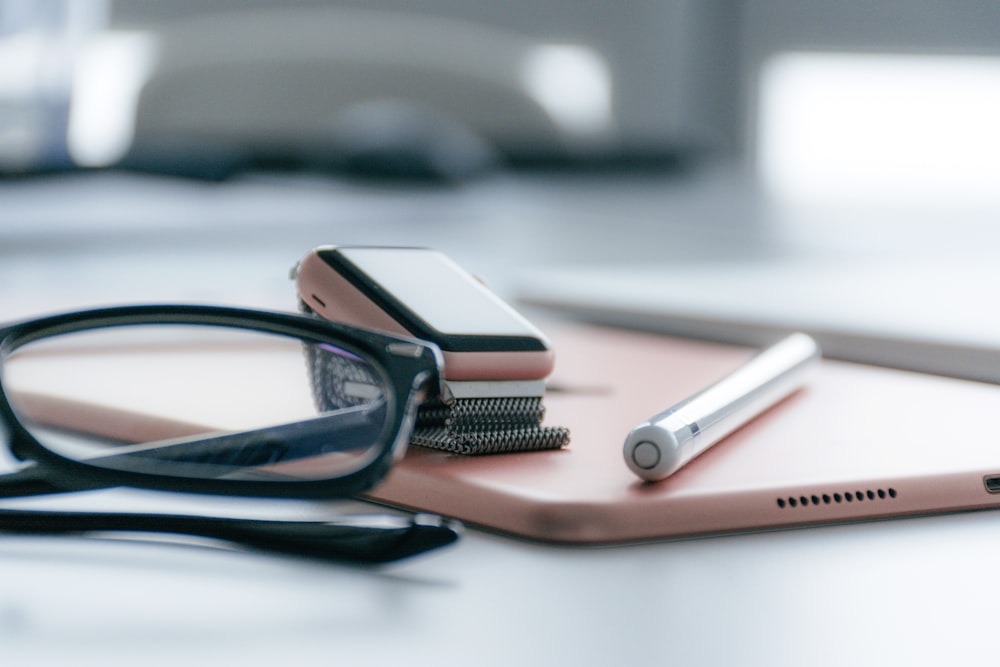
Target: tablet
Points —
{"points": [[857, 443]]}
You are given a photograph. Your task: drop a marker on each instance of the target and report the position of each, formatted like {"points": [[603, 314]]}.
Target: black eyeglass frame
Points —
{"points": [[412, 368]]}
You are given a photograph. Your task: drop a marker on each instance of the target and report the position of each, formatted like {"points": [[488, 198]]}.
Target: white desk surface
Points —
{"points": [[913, 591]]}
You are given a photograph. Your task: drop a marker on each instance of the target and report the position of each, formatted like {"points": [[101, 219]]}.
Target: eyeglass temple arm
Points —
{"points": [[366, 539], [31, 480], [363, 539]]}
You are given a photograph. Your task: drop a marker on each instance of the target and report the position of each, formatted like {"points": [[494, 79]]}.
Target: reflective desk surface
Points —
{"points": [[915, 591]]}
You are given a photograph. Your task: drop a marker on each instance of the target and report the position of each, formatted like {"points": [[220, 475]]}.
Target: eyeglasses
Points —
{"points": [[214, 400]]}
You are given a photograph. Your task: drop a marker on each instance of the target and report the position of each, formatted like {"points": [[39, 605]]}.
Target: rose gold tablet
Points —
{"points": [[858, 442]]}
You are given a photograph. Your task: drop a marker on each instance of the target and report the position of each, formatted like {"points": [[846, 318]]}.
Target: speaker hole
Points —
{"points": [[826, 498]]}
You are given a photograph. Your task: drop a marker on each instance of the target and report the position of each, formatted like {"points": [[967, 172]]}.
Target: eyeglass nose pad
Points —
{"points": [[340, 379]]}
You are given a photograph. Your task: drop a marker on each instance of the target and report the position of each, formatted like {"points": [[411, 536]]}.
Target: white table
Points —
{"points": [[914, 591]]}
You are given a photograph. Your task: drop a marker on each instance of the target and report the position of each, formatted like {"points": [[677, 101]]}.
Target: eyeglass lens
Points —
{"points": [[201, 402]]}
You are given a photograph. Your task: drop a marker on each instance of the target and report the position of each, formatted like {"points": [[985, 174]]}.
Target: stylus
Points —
{"points": [[662, 445]]}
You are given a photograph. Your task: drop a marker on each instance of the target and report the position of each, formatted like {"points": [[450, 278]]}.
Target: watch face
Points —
{"points": [[434, 298]]}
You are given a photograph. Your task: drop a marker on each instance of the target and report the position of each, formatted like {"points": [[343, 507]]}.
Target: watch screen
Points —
{"points": [[439, 292]]}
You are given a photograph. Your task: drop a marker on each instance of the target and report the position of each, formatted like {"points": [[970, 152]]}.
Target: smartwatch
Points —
{"points": [[495, 360], [423, 293]]}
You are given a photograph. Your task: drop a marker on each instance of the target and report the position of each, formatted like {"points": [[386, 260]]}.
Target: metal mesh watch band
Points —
{"points": [[487, 426]]}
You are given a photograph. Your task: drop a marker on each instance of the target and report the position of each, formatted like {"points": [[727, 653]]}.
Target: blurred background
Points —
{"points": [[704, 157]]}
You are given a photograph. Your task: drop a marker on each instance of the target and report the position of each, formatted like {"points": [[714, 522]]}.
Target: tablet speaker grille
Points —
{"points": [[840, 497]]}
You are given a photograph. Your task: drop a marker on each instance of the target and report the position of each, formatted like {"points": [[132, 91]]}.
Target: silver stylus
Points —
{"points": [[660, 446]]}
